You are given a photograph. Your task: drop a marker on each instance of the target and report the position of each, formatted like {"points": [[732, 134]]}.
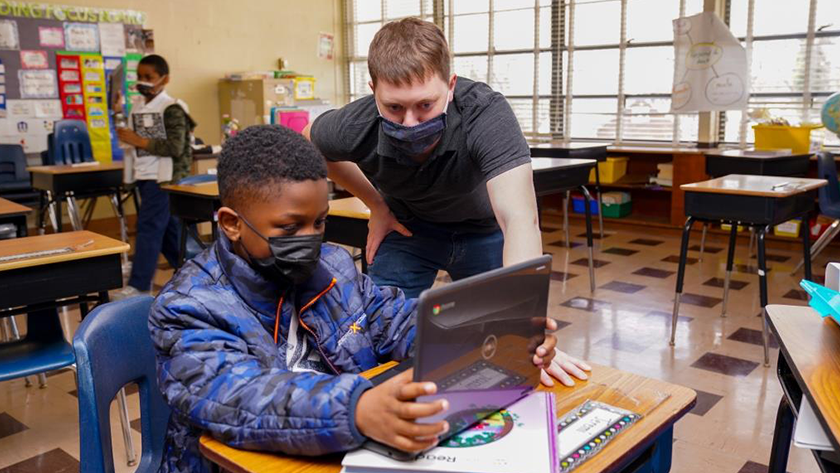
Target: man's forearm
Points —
{"points": [[350, 177], [522, 240]]}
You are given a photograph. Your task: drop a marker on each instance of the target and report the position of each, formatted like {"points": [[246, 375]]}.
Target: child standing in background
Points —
{"points": [[160, 153]]}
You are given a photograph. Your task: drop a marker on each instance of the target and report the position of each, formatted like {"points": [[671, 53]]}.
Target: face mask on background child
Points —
{"points": [[147, 89]]}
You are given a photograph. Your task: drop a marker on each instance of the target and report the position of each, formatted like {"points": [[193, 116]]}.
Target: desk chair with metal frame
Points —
{"points": [[113, 348], [15, 183], [829, 201], [70, 144]]}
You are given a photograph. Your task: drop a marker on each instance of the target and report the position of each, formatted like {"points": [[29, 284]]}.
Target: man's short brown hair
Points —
{"points": [[407, 50]]}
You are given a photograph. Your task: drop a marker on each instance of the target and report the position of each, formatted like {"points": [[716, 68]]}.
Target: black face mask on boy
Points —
{"points": [[293, 258]]}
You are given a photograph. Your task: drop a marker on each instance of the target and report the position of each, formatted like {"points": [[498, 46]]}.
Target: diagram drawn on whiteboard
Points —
{"points": [[710, 66]]}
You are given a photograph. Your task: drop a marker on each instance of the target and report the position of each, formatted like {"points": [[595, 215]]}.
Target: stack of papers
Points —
{"points": [[808, 432], [519, 439]]}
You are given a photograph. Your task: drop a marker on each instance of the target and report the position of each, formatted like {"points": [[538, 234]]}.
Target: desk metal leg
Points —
{"points": [[566, 228], [600, 209], [806, 245], [54, 212], [118, 209], [820, 244], [73, 212], [730, 256], [587, 202], [703, 241], [762, 281], [752, 241], [131, 457], [680, 277], [782, 436]]}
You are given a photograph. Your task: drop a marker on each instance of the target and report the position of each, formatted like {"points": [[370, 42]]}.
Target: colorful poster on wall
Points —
{"points": [[9, 35], [70, 86], [326, 46], [96, 106], [711, 66], [3, 92], [81, 37], [132, 97], [50, 37], [112, 39], [34, 60], [37, 84], [47, 108]]}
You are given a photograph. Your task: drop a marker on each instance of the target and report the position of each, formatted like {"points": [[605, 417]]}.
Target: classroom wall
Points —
{"points": [[204, 39]]}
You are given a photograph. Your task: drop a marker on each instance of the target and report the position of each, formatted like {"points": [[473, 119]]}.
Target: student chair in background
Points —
{"points": [[43, 348], [71, 143], [113, 348], [829, 201], [15, 183]]}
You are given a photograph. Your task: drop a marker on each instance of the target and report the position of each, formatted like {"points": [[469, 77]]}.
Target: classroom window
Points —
{"points": [[782, 85]]}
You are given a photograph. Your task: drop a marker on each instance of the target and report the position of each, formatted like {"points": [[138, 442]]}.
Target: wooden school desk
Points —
{"points": [[347, 224], [196, 203], [757, 163], [809, 368], [756, 201], [11, 212], [93, 267], [576, 150], [555, 175], [648, 442], [193, 204], [64, 182]]}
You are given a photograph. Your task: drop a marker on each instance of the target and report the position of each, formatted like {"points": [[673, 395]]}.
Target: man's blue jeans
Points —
{"points": [[412, 263]]}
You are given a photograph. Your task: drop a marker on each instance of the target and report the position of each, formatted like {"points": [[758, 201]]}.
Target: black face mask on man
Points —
{"points": [[414, 140], [293, 259]]}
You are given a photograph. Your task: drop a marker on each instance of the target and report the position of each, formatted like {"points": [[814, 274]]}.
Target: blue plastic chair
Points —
{"points": [[113, 348], [829, 202], [15, 183], [42, 349], [70, 143]]}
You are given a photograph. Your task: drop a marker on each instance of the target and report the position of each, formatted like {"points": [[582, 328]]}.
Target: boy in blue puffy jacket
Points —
{"points": [[260, 339]]}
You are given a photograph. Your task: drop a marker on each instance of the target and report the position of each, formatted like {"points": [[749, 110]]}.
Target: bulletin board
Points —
{"points": [[54, 64]]}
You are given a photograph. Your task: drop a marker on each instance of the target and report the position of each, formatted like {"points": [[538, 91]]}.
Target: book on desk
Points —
{"points": [[520, 438]]}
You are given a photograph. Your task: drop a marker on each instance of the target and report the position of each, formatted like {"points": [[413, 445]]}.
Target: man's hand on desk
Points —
{"points": [[387, 414], [557, 364]]}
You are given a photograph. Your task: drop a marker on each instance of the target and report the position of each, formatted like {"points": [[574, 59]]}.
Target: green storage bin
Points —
{"points": [[617, 210]]}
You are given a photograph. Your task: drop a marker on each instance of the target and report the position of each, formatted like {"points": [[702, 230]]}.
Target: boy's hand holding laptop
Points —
{"points": [[388, 412]]}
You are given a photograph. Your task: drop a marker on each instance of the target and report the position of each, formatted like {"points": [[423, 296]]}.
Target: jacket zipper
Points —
{"points": [[315, 335]]}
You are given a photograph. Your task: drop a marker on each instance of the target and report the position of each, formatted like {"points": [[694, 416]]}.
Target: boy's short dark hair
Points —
{"points": [[259, 159], [158, 62]]}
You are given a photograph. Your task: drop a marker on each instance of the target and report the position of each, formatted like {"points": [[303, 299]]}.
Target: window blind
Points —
{"points": [[794, 62]]}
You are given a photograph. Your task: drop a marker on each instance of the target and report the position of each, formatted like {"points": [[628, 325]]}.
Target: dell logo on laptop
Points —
{"points": [[437, 308]]}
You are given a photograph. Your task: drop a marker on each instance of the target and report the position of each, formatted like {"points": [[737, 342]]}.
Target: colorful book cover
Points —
{"points": [[514, 440]]}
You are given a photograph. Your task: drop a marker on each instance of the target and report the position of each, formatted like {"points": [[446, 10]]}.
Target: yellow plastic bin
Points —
{"points": [[611, 170], [795, 138], [788, 229]]}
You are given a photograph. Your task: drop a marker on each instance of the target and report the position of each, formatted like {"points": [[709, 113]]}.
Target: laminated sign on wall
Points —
{"points": [[711, 66]]}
